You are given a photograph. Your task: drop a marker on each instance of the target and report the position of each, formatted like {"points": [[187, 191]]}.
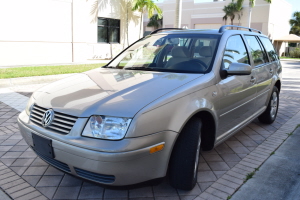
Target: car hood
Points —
{"points": [[111, 92]]}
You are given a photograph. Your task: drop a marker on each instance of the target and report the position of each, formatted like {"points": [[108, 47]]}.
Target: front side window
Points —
{"points": [[171, 53], [235, 51], [108, 30], [258, 54], [269, 47]]}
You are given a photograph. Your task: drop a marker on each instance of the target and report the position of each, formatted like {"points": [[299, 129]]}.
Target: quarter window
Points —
{"points": [[269, 47], [108, 30], [258, 54], [235, 51]]}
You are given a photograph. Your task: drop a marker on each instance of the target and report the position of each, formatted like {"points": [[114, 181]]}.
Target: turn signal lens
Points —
{"points": [[157, 148]]}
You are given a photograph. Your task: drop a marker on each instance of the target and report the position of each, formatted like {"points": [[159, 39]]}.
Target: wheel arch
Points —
{"points": [[278, 85], [208, 130]]}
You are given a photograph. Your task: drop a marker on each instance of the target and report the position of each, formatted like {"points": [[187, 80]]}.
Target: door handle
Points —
{"points": [[252, 80], [271, 71]]}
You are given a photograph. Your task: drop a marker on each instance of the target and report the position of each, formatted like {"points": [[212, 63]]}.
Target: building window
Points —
{"points": [[108, 30]]}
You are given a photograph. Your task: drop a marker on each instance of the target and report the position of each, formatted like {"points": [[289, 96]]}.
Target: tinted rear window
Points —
{"points": [[258, 54], [269, 47]]}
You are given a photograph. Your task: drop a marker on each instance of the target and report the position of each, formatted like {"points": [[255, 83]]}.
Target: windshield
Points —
{"points": [[183, 53]]}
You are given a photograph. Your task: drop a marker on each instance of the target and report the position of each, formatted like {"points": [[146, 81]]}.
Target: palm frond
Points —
{"points": [[295, 24]]}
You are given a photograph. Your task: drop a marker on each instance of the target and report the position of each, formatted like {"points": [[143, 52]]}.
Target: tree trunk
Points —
{"points": [[249, 16], [178, 13], [127, 5], [141, 23]]}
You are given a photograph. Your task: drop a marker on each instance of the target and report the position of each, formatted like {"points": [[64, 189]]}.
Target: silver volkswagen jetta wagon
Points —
{"points": [[153, 107]]}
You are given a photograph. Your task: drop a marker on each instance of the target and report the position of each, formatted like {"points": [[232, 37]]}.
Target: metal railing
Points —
{"points": [[162, 29], [223, 28]]}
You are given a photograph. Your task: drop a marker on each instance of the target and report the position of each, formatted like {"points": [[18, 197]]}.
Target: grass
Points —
{"points": [[249, 176], [296, 127], [289, 58], [289, 134], [46, 70]]}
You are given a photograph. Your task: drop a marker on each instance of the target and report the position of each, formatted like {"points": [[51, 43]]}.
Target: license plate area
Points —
{"points": [[42, 145]]}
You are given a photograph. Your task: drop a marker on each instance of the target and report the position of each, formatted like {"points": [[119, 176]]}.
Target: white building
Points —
{"points": [[272, 19], [64, 31]]}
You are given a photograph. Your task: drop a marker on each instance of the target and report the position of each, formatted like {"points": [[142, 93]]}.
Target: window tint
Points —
{"points": [[108, 30], [269, 47], [235, 51], [257, 52]]}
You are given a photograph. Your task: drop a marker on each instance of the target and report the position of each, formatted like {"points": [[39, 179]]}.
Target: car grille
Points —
{"points": [[61, 123], [100, 178], [60, 165]]}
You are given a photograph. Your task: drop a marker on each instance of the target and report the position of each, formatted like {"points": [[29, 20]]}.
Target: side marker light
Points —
{"points": [[157, 148]]}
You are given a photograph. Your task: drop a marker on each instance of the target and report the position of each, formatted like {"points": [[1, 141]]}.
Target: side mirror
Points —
{"points": [[239, 69]]}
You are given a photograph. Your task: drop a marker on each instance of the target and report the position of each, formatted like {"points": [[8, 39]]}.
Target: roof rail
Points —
{"points": [[161, 29], [221, 30]]}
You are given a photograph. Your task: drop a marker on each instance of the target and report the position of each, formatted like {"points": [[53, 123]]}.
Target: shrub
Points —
{"points": [[295, 53]]}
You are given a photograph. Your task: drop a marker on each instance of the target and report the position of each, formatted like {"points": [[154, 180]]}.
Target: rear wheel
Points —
{"points": [[185, 156], [269, 116]]}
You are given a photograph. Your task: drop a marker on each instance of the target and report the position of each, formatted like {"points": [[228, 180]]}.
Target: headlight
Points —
{"points": [[103, 127], [29, 105]]}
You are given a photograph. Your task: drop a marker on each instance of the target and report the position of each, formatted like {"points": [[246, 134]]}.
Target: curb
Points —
{"points": [[56, 64], [32, 80]]}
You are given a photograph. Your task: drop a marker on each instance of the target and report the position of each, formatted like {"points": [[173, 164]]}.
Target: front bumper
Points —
{"points": [[111, 168]]}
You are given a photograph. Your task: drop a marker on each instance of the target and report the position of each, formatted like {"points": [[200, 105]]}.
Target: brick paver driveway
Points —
{"points": [[221, 171]]}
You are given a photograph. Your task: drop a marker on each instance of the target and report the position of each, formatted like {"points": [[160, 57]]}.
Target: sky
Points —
{"points": [[295, 5]]}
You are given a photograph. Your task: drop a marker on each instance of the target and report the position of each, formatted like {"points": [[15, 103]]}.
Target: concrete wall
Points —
{"points": [[61, 31]]}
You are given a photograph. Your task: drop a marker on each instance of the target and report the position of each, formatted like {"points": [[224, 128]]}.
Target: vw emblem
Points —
{"points": [[47, 118]]}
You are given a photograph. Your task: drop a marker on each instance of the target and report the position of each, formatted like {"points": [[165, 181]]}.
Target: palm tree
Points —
{"points": [[225, 18], [155, 22], [295, 23], [251, 5], [239, 11], [146, 5], [230, 11]]}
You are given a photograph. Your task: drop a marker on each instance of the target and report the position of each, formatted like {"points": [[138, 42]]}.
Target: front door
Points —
{"points": [[238, 92]]}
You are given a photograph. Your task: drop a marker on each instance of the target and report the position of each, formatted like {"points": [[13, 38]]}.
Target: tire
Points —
{"points": [[183, 166], [269, 116]]}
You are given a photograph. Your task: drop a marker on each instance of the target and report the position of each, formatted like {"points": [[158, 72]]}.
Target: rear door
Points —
{"points": [[238, 92], [263, 69]]}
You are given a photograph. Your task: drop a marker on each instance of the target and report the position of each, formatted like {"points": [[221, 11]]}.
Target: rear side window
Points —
{"points": [[258, 54], [269, 47], [235, 51]]}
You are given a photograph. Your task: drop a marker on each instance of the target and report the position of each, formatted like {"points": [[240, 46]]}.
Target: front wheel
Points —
{"points": [[185, 156], [269, 116]]}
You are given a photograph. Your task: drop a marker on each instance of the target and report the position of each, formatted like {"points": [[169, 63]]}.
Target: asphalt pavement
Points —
{"points": [[279, 177]]}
